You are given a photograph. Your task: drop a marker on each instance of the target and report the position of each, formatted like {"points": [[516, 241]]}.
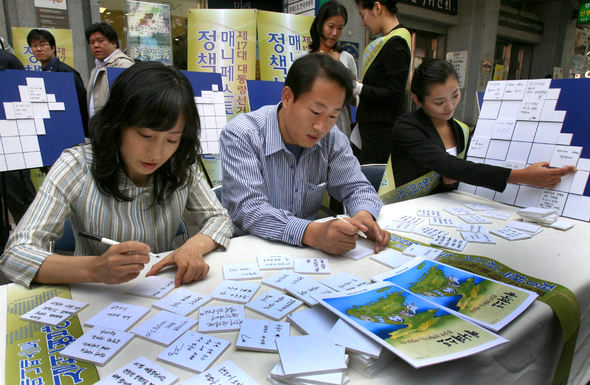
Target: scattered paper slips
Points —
{"points": [[118, 316], [449, 243], [311, 354], [221, 318], [429, 213], [260, 335], [496, 214], [141, 371], [98, 345], [430, 232], [458, 211], [311, 266], [54, 311], [274, 305], [510, 233], [164, 327], [440, 221], [344, 281], [226, 373], [239, 271], [194, 351], [274, 262], [417, 250], [235, 291], [390, 257], [471, 228], [474, 219], [182, 301], [152, 287], [478, 237]]}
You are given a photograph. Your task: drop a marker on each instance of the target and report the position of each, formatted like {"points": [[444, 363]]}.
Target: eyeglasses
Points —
{"points": [[39, 45]]}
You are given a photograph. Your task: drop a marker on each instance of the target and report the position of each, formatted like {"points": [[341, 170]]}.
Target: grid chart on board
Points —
{"points": [[519, 125], [211, 108]]}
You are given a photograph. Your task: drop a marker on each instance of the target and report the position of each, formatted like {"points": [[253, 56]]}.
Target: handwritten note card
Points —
{"points": [[514, 89], [164, 327], [54, 311], [274, 305], [152, 287], [98, 345], [311, 266], [494, 90], [239, 271], [430, 232], [510, 233], [226, 373], [417, 250], [141, 371], [440, 221], [279, 279], [478, 237], [118, 316], [479, 146], [344, 281], [474, 219], [471, 228], [221, 318], [182, 301], [565, 156], [449, 243], [409, 219], [260, 335], [503, 129], [194, 351], [478, 206], [429, 213], [551, 199], [458, 211], [496, 214], [400, 226], [274, 262], [234, 291], [304, 288]]}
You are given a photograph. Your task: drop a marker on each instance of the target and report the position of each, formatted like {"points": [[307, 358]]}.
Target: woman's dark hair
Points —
{"points": [[391, 5], [147, 95], [327, 10], [306, 69], [431, 71], [41, 35], [105, 29]]}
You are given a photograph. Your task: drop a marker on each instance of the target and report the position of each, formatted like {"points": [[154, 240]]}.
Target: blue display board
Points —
{"points": [[263, 93], [63, 127]]}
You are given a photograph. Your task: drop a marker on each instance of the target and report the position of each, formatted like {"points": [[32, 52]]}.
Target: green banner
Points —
{"points": [[561, 300], [32, 349]]}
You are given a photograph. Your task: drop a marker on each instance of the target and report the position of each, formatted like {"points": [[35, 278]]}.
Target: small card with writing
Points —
{"points": [[164, 327], [98, 345], [474, 219], [430, 232], [478, 206], [221, 318], [240, 271], [141, 371], [510, 233], [417, 250], [458, 211], [400, 226], [525, 226], [304, 288], [344, 281], [390, 257], [440, 221], [471, 228], [260, 335], [118, 316], [274, 305], [280, 278], [152, 287], [478, 237], [54, 311], [429, 213], [409, 219], [235, 291], [194, 351], [274, 262], [449, 243], [311, 266], [226, 373], [182, 301], [496, 214]]}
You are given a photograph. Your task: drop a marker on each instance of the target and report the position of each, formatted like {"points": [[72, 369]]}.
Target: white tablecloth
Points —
{"points": [[535, 337]]}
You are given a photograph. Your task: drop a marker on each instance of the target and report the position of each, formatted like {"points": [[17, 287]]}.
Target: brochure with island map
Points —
{"points": [[418, 331], [489, 303]]}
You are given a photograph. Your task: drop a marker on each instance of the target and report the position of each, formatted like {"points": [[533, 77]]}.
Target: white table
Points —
{"points": [[535, 337]]}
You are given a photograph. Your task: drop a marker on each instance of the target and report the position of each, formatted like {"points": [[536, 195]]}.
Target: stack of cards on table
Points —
{"points": [[544, 217]]}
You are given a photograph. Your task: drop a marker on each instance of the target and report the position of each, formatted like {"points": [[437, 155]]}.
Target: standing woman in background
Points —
{"points": [[325, 32], [386, 63]]}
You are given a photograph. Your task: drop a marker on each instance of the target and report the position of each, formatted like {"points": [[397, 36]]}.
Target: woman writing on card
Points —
{"points": [[133, 182], [428, 147]]}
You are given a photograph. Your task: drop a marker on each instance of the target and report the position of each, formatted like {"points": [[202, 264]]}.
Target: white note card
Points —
{"points": [[311, 266], [239, 271], [478, 206], [194, 351], [235, 291], [182, 301], [510, 233], [474, 219], [440, 221], [54, 311], [471, 228], [305, 288], [152, 287], [259, 335], [344, 281], [279, 279], [430, 232], [449, 243], [551, 199], [477, 237], [429, 213], [400, 226], [409, 219], [496, 214], [273, 304], [391, 258], [226, 373], [118, 315], [458, 211], [164, 327], [359, 252], [315, 320], [141, 371], [302, 355], [221, 318], [417, 250], [355, 341], [98, 345], [274, 262], [565, 156]]}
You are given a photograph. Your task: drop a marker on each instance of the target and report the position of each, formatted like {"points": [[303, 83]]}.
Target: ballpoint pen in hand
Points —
{"points": [[106, 241]]}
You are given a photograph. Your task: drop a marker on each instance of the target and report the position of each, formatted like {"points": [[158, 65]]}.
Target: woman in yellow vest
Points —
{"points": [[386, 62], [428, 147]]}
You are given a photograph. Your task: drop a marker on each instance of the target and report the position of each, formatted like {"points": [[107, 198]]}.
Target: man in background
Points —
{"points": [[104, 45], [43, 46]]}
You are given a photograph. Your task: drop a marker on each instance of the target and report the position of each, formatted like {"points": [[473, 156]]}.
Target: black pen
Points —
{"points": [[106, 241]]}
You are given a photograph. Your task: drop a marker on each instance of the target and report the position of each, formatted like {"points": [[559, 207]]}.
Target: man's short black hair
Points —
{"points": [[41, 35], [306, 69], [106, 30]]}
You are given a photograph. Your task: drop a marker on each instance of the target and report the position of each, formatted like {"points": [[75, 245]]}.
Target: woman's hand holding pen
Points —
{"points": [[121, 262]]}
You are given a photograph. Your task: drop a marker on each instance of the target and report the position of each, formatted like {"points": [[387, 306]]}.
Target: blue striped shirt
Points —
{"points": [[271, 195], [69, 190]]}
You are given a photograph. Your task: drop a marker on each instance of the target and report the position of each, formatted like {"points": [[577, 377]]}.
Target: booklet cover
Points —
{"points": [[420, 332], [485, 301]]}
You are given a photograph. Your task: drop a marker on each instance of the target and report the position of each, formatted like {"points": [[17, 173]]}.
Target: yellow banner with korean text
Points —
{"points": [[281, 36], [64, 47], [224, 41]]}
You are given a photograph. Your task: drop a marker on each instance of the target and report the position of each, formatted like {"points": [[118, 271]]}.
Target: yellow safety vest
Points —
{"points": [[373, 49]]}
